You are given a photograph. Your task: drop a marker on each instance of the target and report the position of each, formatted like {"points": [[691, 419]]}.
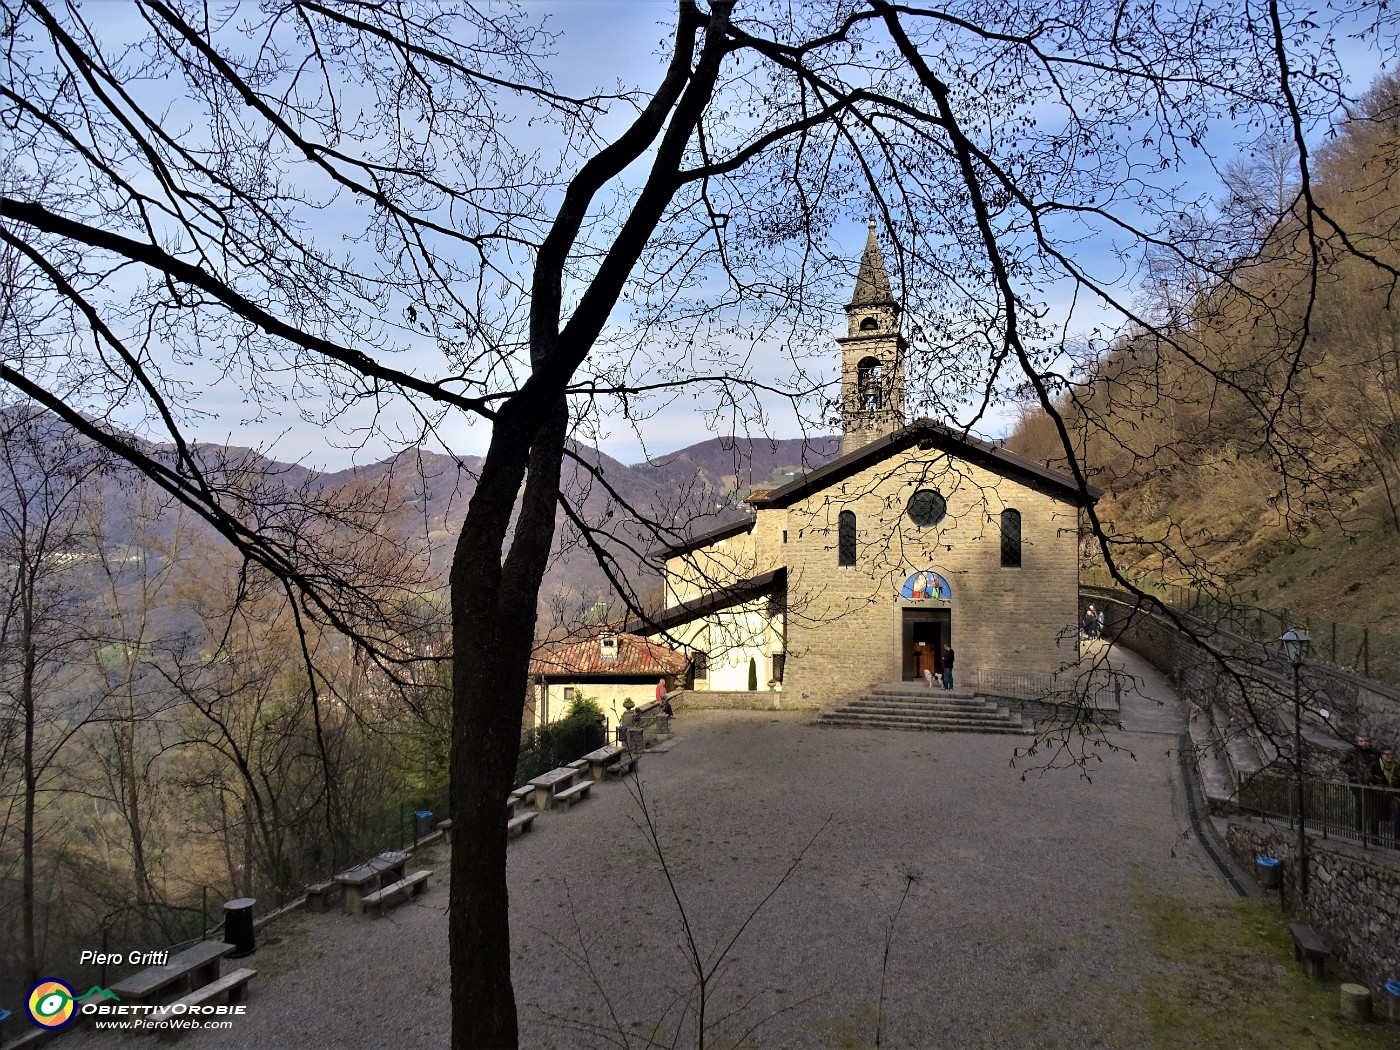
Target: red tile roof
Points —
{"points": [[635, 656]]}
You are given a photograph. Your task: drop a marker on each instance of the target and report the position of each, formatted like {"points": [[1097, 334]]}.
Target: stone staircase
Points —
{"points": [[1228, 753], [914, 706]]}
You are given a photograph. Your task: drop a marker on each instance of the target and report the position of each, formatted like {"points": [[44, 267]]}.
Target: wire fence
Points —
{"points": [[1359, 813], [1369, 653]]}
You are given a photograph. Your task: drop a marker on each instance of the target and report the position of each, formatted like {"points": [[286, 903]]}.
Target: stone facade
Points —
{"points": [[845, 553], [846, 624]]}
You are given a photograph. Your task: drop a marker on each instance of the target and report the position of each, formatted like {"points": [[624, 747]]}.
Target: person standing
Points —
{"points": [[947, 667]]}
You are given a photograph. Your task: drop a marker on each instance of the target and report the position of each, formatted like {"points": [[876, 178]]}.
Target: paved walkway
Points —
{"points": [[1149, 703], [949, 896]]}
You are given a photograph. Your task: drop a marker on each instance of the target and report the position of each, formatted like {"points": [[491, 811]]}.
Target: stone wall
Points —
{"points": [[1353, 896], [702, 700], [1254, 681]]}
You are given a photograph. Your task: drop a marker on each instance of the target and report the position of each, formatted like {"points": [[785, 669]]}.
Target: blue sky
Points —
{"points": [[605, 45]]}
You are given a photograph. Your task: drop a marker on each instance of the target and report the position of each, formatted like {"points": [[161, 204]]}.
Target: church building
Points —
{"points": [[865, 570]]}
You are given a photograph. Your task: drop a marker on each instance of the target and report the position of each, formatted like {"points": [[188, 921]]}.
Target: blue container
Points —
{"points": [[1267, 872], [1392, 994]]}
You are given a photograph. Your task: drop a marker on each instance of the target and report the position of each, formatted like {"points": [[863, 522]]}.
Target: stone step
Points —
{"points": [[1240, 752], [914, 703], [1209, 757], [942, 725], [921, 716], [904, 713], [913, 689]]}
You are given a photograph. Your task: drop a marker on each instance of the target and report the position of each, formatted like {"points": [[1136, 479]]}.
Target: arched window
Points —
{"points": [[846, 538], [1011, 539], [870, 384], [869, 324]]}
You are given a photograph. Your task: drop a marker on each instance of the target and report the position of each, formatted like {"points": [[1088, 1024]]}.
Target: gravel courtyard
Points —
{"points": [[942, 899]]}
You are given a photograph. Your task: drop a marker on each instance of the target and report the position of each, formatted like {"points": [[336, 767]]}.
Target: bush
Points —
{"points": [[559, 743], [582, 705]]}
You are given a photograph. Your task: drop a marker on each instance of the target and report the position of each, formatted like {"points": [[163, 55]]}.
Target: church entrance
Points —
{"points": [[925, 633]]}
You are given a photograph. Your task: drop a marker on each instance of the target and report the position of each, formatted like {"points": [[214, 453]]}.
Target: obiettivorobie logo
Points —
{"points": [[53, 1005]]}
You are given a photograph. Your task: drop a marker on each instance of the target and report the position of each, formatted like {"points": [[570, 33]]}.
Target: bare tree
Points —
{"points": [[46, 696], [579, 257]]}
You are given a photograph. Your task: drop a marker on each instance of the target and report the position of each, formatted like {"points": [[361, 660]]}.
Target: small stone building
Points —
{"points": [[608, 667], [860, 573]]}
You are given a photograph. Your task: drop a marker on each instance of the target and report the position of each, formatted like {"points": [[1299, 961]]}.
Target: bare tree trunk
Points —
{"points": [[31, 773], [494, 608]]}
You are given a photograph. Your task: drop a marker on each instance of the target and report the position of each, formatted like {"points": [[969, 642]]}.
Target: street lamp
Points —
{"points": [[1295, 647]]}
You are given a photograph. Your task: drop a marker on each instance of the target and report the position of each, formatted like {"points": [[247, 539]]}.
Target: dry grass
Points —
{"points": [[1224, 976]]}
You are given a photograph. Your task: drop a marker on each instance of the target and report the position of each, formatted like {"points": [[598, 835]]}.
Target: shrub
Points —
{"points": [[559, 743]]}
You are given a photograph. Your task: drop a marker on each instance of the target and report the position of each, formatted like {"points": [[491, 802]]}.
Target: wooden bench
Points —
{"points": [[195, 966], [445, 826], [233, 985], [1309, 949], [320, 896], [570, 795], [521, 824], [579, 763], [406, 887]]}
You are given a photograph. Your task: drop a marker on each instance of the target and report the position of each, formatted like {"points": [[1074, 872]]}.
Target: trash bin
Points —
{"points": [[238, 927], [1392, 1000], [1266, 871], [422, 823]]}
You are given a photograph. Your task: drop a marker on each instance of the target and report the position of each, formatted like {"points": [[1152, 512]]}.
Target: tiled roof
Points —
{"points": [[635, 656]]}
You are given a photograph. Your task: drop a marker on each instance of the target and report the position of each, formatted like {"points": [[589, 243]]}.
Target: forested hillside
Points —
{"points": [[1197, 491], [161, 747]]}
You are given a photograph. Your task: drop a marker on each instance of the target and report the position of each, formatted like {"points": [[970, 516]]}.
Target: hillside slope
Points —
{"points": [[1248, 438]]}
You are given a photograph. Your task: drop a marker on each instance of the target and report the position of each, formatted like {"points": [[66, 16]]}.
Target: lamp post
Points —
{"points": [[1295, 647]]}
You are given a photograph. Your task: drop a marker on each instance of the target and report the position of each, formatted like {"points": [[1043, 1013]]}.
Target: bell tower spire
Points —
{"points": [[872, 355]]}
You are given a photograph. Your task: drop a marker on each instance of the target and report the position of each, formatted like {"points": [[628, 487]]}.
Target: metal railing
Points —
{"points": [[1359, 813], [1369, 653], [1019, 685]]}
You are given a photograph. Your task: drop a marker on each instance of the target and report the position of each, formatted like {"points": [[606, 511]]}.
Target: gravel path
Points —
{"points": [[946, 897]]}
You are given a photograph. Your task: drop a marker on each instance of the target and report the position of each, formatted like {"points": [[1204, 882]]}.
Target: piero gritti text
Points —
{"points": [[136, 958]]}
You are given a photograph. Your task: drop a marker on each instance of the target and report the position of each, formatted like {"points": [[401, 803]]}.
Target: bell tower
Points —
{"points": [[872, 355]]}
